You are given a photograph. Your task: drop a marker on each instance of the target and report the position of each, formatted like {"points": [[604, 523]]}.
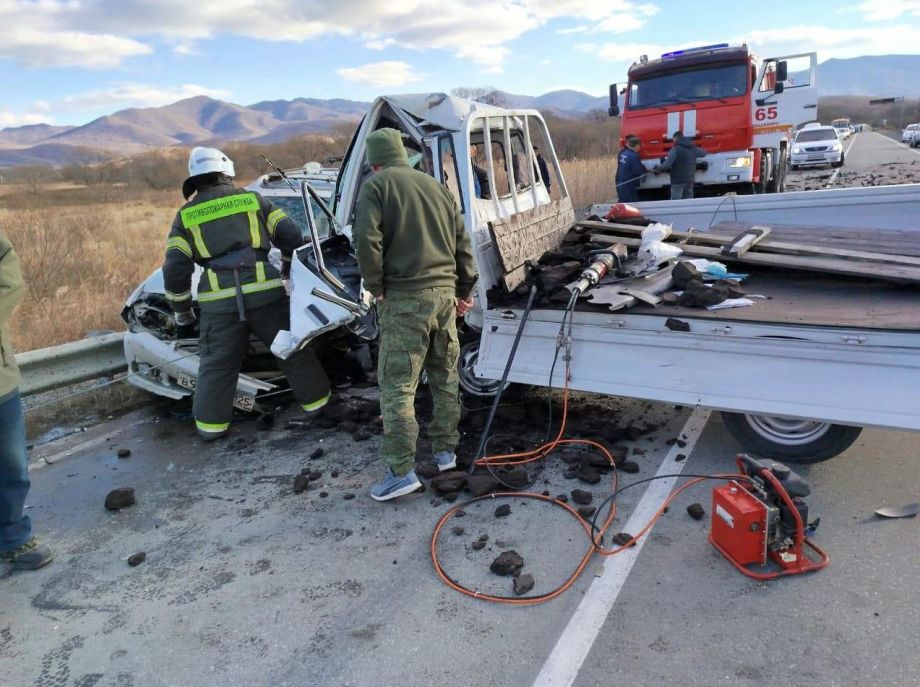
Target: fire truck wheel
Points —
{"points": [[790, 439]]}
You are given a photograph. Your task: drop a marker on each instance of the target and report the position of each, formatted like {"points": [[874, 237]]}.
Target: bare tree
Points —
{"points": [[34, 177], [483, 94]]}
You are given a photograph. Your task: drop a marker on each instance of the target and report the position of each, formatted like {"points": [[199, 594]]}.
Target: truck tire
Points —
{"points": [[762, 186], [788, 439], [470, 384]]}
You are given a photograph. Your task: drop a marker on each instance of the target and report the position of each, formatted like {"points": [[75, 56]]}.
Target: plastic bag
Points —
{"points": [[653, 245]]}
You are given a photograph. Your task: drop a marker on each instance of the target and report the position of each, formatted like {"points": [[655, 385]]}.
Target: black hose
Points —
{"points": [[501, 387]]}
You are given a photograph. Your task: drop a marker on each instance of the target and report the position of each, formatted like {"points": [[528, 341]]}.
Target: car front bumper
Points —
{"points": [[821, 158]]}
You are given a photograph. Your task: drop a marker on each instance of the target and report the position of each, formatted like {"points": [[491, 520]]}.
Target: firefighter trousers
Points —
{"points": [[223, 344]]}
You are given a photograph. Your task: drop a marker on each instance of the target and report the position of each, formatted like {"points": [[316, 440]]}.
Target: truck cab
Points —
{"points": [[740, 109]]}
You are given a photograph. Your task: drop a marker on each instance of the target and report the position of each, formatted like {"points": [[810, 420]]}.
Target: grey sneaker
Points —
{"points": [[393, 486], [30, 556], [446, 460]]}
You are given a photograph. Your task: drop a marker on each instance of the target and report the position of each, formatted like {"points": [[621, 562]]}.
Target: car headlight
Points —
{"points": [[797, 149], [739, 161], [836, 147]]}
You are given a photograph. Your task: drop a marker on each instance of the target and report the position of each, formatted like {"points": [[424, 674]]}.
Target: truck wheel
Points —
{"points": [[469, 382], [761, 186], [790, 439]]}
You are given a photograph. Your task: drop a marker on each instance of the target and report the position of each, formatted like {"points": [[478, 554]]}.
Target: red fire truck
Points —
{"points": [[740, 109]]}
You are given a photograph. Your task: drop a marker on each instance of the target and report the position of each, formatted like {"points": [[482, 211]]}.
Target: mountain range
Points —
{"points": [[204, 120]]}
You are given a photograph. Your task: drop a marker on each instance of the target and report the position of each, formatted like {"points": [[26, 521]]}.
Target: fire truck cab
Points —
{"points": [[740, 109]]}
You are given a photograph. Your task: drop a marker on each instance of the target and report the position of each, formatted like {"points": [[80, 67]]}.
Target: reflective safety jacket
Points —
{"points": [[222, 219]]}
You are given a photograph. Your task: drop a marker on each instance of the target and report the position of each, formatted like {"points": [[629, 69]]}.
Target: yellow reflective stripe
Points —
{"points": [[212, 280], [260, 271], [218, 208], [178, 297], [316, 405], [274, 217], [254, 232], [180, 244], [199, 242], [219, 294], [212, 426]]}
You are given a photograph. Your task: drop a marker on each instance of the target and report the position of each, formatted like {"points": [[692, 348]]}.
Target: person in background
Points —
{"points": [[544, 170], [17, 545], [681, 163], [629, 170], [417, 260]]}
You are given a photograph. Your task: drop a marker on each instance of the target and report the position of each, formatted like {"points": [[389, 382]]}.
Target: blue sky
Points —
{"points": [[69, 61]]}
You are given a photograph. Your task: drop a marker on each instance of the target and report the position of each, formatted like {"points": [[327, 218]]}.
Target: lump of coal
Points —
{"points": [[680, 457], [515, 479], [523, 584], [698, 295], [427, 470], [676, 325], [448, 481], [629, 466], [119, 498], [586, 511], [582, 497], [317, 453], [507, 563], [563, 498], [622, 539], [503, 510], [696, 511], [458, 531], [348, 426], [301, 482], [314, 475], [479, 485], [135, 559], [478, 545], [348, 497], [123, 452], [588, 475], [363, 434], [683, 273]]}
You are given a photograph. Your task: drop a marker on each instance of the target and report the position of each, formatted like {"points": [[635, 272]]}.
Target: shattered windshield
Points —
{"points": [[293, 208], [687, 86]]}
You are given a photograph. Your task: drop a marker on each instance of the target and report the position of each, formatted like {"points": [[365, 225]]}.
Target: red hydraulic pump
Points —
{"points": [[761, 519]]}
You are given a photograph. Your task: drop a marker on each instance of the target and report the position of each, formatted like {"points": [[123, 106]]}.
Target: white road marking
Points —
{"points": [[830, 182], [562, 666]]}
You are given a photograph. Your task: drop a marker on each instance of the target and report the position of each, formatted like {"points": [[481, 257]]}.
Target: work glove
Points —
{"points": [[185, 324], [704, 165], [285, 269]]}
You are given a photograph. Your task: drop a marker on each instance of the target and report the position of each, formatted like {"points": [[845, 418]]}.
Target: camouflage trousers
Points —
{"points": [[418, 331]]}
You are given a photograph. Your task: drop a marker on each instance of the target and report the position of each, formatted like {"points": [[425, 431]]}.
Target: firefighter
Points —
{"points": [[417, 260], [629, 170], [228, 232]]}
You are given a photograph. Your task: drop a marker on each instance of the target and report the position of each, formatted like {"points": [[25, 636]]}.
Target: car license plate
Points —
{"points": [[815, 157], [241, 401]]}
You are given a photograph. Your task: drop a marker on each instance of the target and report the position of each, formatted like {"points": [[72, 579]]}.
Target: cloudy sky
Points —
{"points": [[69, 61]]}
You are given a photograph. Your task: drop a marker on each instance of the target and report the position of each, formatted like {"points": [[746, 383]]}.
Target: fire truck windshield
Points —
{"points": [[689, 85]]}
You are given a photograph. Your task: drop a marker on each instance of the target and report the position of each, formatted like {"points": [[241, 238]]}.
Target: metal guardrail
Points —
{"points": [[71, 363]]}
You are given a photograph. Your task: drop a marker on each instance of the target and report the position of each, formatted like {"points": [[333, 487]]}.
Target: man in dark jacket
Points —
{"points": [[681, 163], [629, 170], [417, 261], [229, 232]]}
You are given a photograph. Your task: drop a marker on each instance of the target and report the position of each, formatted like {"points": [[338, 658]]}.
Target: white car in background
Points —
{"points": [[910, 134], [816, 145]]}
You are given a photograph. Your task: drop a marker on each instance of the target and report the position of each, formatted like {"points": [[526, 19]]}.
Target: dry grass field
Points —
{"points": [[84, 249], [82, 254]]}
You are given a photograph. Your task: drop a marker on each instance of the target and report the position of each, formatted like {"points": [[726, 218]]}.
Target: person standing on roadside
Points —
{"points": [[629, 170], [681, 163], [228, 232], [416, 259], [17, 545]]}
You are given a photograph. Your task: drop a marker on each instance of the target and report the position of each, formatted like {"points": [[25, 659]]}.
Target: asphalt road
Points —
{"points": [[247, 583], [871, 159]]}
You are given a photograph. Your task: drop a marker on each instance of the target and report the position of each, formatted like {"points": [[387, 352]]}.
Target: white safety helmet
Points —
{"points": [[205, 161]]}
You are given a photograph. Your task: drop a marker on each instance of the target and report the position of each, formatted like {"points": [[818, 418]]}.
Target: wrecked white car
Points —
{"points": [[327, 302]]}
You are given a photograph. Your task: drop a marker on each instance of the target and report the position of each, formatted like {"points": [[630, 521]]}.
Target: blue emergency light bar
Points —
{"points": [[677, 53]]}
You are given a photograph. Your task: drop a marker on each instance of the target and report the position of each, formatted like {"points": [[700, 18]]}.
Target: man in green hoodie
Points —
{"points": [[17, 545], [417, 261]]}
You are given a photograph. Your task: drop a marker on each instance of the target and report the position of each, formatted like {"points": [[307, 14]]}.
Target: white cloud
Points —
{"points": [[886, 10], [828, 42], [37, 34], [382, 74], [103, 33], [125, 95], [8, 118]]}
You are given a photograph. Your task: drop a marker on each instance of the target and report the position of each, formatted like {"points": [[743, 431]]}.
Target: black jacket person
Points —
{"points": [[681, 163], [228, 232]]}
